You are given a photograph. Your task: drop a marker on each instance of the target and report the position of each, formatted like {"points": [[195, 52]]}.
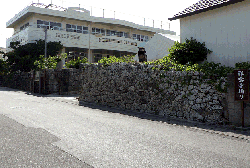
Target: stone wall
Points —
{"points": [[20, 80], [137, 87], [65, 81]]}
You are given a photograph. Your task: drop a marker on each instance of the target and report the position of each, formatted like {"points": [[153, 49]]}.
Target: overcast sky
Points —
{"points": [[130, 10]]}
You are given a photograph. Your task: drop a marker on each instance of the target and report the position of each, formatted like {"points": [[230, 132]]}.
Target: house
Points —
{"points": [[224, 27], [81, 35]]}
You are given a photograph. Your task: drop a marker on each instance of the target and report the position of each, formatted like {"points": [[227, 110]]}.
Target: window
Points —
{"points": [[98, 31], [49, 25], [138, 37], [68, 26], [78, 29], [39, 22], [108, 33], [126, 35], [120, 34], [134, 36], [103, 32], [46, 23], [24, 26], [85, 28], [113, 33], [93, 30]]}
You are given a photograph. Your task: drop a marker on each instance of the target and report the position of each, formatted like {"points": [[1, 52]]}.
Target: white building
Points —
{"points": [[71, 26], [158, 45], [3, 50], [224, 27]]}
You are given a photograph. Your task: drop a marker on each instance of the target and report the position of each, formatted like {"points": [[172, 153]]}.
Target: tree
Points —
{"points": [[190, 51], [23, 56]]}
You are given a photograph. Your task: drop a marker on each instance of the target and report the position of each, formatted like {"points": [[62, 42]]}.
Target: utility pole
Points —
{"points": [[45, 54], [89, 56]]}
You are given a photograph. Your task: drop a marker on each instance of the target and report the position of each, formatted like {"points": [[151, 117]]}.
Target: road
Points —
{"points": [[54, 131]]}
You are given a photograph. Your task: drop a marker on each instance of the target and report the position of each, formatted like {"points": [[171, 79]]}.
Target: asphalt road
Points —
{"points": [[54, 131]]}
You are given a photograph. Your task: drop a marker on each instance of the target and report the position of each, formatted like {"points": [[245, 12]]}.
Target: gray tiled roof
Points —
{"points": [[202, 6]]}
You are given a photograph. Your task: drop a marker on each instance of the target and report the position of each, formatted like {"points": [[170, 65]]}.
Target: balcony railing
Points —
{"points": [[107, 13]]}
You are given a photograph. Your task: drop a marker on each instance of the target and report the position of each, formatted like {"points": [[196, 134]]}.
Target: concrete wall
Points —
{"points": [[225, 31], [158, 46], [72, 39]]}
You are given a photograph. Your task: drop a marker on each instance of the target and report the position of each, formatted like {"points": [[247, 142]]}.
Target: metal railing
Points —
{"points": [[105, 13]]}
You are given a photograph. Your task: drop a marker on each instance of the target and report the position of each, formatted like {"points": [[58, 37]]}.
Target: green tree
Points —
{"points": [[190, 51], [22, 57]]}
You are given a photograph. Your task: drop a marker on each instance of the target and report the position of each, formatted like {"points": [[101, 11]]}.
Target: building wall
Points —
{"points": [[225, 31], [22, 22], [72, 39], [3, 50], [158, 46]]}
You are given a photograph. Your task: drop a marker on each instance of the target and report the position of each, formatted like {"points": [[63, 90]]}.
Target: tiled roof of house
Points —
{"points": [[202, 6]]}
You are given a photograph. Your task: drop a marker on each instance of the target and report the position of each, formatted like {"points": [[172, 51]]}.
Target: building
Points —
{"points": [[3, 50], [158, 46], [224, 27], [81, 34]]}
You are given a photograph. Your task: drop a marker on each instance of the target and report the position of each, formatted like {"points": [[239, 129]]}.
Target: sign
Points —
{"points": [[63, 35], [241, 85]]}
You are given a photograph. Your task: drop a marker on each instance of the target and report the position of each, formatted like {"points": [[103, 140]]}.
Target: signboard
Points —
{"points": [[241, 85]]}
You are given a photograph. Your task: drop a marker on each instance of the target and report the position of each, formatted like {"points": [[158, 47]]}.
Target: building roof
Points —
{"points": [[203, 6], [76, 14]]}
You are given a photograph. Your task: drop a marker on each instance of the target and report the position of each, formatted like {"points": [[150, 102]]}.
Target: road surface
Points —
{"points": [[54, 131]]}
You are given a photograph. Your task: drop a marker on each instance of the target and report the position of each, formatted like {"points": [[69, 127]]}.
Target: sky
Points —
{"points": [[129, 10]]}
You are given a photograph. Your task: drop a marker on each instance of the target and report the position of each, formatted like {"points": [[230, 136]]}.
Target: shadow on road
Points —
{"points": [[171, 120], [224, 129], [32, 147], [35, 94]]}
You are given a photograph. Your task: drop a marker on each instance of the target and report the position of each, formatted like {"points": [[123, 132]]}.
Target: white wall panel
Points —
{"points": [[224, 30]]}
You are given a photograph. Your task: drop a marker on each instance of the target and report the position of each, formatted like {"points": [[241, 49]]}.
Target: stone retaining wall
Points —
{"points": [[65, 81], [20, 80], [137, 87]]}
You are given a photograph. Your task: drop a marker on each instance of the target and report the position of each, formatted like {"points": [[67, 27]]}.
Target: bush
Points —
{"points": [[112, 59], [74, 63], [190, 51], [49, 62], [3, 67]]}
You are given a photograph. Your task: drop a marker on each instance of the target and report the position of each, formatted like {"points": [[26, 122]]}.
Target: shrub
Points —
{"points": [[49, 62], [190, 51], [74, 63], [112, 59], [3, 67]]}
